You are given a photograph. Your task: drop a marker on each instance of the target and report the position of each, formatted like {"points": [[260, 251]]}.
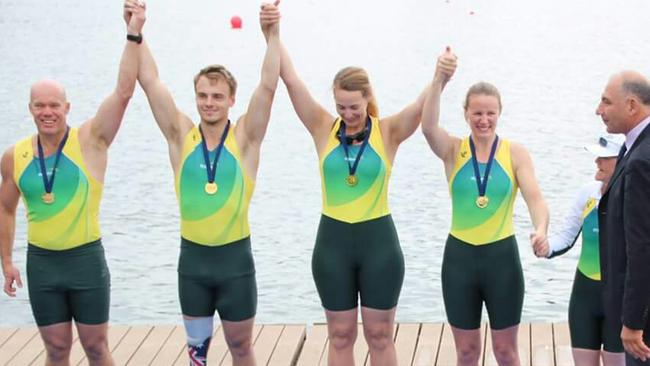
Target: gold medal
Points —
{"points": [[351, 180], [211, 188], [48, 198], [482, 201]]}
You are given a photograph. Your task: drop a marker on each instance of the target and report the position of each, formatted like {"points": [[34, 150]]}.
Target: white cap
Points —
{"points": [[608, 146]]}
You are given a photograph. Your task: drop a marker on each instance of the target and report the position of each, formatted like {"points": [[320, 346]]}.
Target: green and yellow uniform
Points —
{"points": [[216, 268], [67, 273], [481, 251], [590, 328], [357, 251]]}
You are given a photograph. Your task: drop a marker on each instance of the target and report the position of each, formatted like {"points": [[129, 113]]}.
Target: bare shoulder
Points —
{"points": [[520, 155], [6, 164]]}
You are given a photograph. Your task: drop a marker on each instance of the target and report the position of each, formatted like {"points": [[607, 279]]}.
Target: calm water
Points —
{"points": [[550, 60]]}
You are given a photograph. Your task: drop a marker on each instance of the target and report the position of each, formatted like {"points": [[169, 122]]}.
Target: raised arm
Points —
{"points": [[402, 124], [256, 119], [106, 122], [525, 175], [169, 119], [439, 140], [9, 195], [315, 118]]}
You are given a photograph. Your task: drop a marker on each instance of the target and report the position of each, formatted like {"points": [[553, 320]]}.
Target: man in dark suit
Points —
{"points": [[625, 211]]}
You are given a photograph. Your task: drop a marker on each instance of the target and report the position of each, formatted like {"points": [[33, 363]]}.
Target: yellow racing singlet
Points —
{"points": [[221, 218], [368, 199], [72, 219], [589, 263], [470, 223]]}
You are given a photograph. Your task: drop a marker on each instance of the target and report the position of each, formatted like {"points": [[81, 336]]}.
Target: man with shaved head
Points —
{"points": [[625, 211], [59, 173]]}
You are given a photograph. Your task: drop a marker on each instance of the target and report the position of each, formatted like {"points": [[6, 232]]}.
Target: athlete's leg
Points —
{"points": [[199, 333], [501, 265], [585, 357], [504, 346], [58, 341], [94, 340], [239, 337], [468, 346], [613, 358], [378, 329], [462, 298], [342, 333], [237, 305]]}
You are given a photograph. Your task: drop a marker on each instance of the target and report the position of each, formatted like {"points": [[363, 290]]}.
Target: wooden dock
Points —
{"points": [[541, 344]]}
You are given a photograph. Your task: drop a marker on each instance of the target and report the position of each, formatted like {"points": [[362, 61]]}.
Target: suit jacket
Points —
{"points": [[625, 238]]}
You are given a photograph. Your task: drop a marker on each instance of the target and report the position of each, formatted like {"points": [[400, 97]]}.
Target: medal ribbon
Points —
{"points": [[482, 184], [49, 183], [211, 169], [352, 169]]}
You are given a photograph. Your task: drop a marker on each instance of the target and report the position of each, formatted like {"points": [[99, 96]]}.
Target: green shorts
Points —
{"points": [[589, 326], [358, 260], [68, 284], [220, 278], [474, 274]]}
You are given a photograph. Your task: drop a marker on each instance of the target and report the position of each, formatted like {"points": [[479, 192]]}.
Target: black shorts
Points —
{"points": [[590, 328], [68, 284], [474, 274], [358, 260], [220, 278]]}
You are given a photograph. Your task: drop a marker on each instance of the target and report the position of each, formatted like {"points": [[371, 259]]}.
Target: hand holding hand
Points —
{"points": [[540, 245], [134, 16], [270, 19], [446, 66]]}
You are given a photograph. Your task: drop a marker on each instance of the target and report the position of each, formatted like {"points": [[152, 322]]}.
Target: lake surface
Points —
{"points": [[550, 60]]}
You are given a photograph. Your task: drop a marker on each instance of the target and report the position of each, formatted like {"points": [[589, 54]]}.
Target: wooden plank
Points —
{"points": [[227, 360], [172, 349], [562, 344], [151, 345], [289, 345], [406, 343], [130, 343], [447, 353], [266, 342], [29, 353], [426, 351], [314, 346], [16, 343], [523, 344], [5, 333], [541, 344]]}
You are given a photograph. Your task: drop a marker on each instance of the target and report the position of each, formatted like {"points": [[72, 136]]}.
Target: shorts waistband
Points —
{"points": [[78, 250]]}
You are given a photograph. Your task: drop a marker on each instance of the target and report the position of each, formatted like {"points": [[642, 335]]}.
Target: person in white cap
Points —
{"points": [[591, 330]]}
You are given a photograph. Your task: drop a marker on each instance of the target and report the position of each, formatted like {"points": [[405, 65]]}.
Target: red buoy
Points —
{"points": [[235, 22]]}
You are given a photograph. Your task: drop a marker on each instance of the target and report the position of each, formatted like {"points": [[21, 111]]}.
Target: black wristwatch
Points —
{"points": [[137, 38]]}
